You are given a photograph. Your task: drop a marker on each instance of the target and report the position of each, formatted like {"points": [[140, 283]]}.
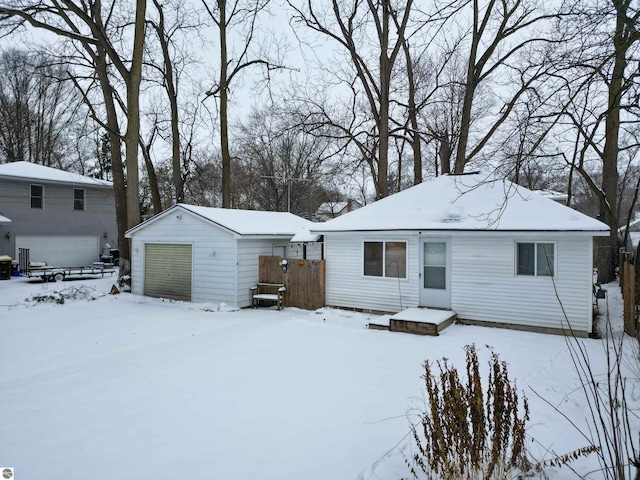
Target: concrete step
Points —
{"points": [[419, 321]]}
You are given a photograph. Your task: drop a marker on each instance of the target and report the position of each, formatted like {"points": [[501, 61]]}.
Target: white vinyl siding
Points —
{"points": [[346, 286], [483, 285], [214, 255], [167, 271]]}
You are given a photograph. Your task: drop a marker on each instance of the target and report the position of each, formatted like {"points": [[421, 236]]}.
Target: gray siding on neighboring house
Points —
{"points": [[57, 217]]}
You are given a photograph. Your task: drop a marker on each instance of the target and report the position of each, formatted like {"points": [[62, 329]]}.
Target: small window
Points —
{"points": [[385, 259], [78, 199], [535, 259], [373, 259], [37, 196]]}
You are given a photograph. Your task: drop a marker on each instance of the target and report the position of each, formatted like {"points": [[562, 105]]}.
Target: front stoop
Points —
{"points": [[419, 321]]}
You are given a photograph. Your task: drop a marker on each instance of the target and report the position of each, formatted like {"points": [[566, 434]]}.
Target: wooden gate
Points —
{"points": [[304, 280]]}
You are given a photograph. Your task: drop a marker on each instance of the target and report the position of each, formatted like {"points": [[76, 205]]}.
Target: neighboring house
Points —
{"points": [[491, 251], [63, 218], [553, 195], [206, 254], [329, 210], [634, 234]]}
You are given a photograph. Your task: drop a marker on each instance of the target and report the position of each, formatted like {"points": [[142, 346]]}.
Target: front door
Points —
{"points": [[434, 277]]}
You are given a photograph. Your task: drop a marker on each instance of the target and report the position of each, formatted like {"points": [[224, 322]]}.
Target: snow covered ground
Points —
{"points": [[130, 387]]}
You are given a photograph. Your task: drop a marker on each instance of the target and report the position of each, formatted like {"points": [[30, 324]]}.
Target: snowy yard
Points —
{"points": [[130, 387]]}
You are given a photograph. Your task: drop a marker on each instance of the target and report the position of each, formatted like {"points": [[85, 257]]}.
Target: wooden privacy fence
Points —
{"points": [[629, 289], [304, 280]]}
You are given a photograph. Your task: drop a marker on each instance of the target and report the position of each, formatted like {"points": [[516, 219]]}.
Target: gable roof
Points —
{"points": [[33, 171], [4, 219], [329, 210], [474, 201], [239, 222], [634, 226]]}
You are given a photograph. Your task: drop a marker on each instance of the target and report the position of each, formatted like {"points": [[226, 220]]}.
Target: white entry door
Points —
{"points": [[434, 278]]}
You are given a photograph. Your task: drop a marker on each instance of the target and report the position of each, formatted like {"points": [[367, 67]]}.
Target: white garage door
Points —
{"points": [[61, 251], [167, 271]]}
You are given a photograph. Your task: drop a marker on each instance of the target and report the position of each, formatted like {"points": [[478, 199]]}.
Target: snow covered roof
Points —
{"points": [[474, 201], [4, 219], [241, 222], [33, 171], [305, 235]]}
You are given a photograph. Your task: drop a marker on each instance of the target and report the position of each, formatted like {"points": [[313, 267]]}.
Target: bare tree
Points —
{"points": [[172, 22], [500, 32], [282, 167], [350, 26], [237, 17], [39, 110], [601, 103], [91, 26]]}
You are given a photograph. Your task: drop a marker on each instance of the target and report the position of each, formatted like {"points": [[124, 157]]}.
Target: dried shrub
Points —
{"points": [[465, 433]]}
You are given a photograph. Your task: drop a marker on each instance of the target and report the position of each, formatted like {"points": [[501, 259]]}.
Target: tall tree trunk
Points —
{"points": [[607, 247], [172, 93], [445, 154], [412, 113], [156, 201], [224, 125], [117, 167], [383, 112], [469, 92], [132, 136]]}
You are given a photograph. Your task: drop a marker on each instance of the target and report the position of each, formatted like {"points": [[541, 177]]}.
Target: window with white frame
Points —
{"points": [[385, 259], [78, 199], [37, 196], [535, 259]]}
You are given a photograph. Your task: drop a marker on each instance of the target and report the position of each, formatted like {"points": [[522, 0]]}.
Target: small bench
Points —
{"points": [[269, 292]]}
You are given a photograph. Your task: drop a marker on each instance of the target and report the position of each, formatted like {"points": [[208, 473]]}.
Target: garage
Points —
{"points": [[206, 254], [168, 270], [60, 250]]}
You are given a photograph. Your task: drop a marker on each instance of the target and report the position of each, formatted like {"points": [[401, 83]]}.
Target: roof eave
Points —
{"points": [[597, 233], [57, 182]]}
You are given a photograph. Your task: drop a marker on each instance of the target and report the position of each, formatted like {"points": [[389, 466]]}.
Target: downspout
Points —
{"points": [[235, 274]]}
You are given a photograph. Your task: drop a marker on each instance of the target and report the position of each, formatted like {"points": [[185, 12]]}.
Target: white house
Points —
{"points": [[206, 254], [491, 251]]}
